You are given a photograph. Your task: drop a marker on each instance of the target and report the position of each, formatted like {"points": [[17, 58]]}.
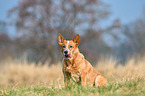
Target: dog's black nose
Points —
{"points": [[65, 52]]}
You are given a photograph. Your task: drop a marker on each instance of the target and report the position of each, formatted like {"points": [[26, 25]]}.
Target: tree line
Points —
{"points": [[38, 23]]}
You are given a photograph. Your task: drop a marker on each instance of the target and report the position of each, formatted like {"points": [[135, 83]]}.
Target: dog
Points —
{"points": [[76, 67]]}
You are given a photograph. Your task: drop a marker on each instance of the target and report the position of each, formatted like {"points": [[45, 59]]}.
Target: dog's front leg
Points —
{"points": [[83, 78], [67, 77]]}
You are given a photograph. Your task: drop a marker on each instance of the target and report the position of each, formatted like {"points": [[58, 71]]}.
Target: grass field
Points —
{"points": [[23, 79], [122, 88]]}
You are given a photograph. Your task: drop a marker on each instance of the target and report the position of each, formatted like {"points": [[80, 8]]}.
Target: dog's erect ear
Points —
{"points": [[60, 39], [76, 39]]}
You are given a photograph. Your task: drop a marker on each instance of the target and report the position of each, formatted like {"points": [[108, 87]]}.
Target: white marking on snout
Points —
{"points": [[67, 45], [67, 48]]}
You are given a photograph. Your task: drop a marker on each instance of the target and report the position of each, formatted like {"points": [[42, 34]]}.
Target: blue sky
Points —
{"points": [[125, 10], [5, 5]]}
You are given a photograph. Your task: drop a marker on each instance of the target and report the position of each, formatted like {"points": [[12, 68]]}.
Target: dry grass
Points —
{"points": [[22, 73], [133, 68]]}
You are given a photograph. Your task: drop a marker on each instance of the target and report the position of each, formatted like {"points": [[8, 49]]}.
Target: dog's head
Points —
{"points": [[68, 47]]}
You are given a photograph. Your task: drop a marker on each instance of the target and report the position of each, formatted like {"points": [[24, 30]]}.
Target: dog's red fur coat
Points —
{"points": [[76, 66]]}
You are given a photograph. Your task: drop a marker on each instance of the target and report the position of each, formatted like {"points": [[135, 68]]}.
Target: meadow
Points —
{"points": [[23, 78]]}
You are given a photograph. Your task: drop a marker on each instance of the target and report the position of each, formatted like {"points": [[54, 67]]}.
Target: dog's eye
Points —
{"points": [[63, 46], [70, 46]]}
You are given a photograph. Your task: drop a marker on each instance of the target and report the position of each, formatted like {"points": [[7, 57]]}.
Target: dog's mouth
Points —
{"points": [[67, 55]]}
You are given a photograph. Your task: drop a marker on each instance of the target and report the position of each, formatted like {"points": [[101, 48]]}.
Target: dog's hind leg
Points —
{"points": [[100, 80]]}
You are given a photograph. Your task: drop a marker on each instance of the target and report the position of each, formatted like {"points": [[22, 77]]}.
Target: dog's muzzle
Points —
{"points": [[66, 54]]}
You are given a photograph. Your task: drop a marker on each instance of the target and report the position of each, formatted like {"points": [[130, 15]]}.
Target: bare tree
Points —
{"points": [[40, 21]]}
